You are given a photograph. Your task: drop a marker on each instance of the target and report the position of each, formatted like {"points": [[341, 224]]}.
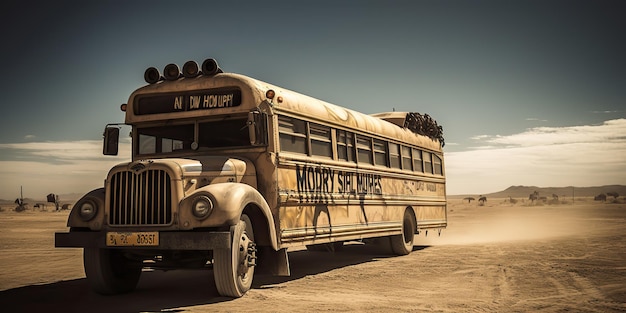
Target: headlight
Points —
{"points": [[202, 207], [87, 210]]}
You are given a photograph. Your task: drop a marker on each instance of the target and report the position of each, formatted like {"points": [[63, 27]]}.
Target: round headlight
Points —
{"points": [[202, 207], [87, 210]]}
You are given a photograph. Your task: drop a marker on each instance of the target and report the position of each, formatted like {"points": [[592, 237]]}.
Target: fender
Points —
{"points": [[229, 201], [96, 197]]}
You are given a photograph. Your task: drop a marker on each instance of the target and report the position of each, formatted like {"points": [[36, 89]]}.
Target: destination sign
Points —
{"points": [[188, 101]]}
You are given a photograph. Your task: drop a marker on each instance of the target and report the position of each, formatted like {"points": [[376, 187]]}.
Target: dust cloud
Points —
{"points": [[510, 223]]}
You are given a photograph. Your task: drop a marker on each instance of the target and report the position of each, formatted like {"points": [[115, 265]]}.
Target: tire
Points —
{"points": [[109, 272], [403, 244], [232, 267]]}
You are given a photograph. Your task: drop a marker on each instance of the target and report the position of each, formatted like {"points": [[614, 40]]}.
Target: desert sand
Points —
{"points": [[497, 257]]}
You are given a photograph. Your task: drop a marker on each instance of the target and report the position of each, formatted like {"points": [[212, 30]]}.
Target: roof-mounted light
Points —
{"points": [[171, 72], [123, 107], [190, 69], [210, 67], [152, 75]]}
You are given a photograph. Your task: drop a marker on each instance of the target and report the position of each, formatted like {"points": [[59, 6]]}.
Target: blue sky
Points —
{"points": [[527, 92]]}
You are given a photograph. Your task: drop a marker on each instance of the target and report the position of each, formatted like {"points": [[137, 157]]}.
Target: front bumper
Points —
{"points": [[168, 240]]}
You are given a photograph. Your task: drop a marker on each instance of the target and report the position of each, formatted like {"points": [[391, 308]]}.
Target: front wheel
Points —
{"points": [[233, 268], [403, 244], [109, 271]]}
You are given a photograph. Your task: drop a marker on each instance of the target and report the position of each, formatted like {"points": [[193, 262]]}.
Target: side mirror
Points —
{"points": [[257, 128], [111, 141]]}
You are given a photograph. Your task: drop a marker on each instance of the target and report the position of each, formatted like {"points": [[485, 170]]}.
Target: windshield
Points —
{"points": [[177, 138]]}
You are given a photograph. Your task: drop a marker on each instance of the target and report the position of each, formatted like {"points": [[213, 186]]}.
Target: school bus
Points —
{"points": [[229, 172]]}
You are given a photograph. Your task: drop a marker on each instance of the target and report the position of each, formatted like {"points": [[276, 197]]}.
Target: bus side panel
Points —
{"points": [[430, 216], [324, 203]]}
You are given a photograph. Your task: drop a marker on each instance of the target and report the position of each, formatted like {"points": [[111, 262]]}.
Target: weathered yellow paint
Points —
{"points": [[313, 200]]}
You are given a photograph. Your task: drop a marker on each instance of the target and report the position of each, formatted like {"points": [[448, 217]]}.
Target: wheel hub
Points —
{"points": [[247, 254]]}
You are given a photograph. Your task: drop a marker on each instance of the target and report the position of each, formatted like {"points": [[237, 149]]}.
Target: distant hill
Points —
{"points": [[525, 191]]}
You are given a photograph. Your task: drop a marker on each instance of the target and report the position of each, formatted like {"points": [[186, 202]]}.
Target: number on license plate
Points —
{"points": [[126, 239]]}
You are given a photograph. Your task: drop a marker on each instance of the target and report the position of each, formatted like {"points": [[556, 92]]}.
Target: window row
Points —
{"points": [[313, 139], [177, 138]]}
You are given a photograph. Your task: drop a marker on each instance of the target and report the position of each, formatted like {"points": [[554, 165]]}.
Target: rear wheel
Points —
{"points": [[403, 244], [233, 268], [109, 271]]}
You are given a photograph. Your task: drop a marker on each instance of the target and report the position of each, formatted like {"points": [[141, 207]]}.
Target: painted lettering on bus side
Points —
{"points": [[317, 183], [344, 182], [369, 184], [422, 186], [315, 179]]}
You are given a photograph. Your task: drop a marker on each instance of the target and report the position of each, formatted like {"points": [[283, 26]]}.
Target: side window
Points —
{"points": [[321, 143], [292, 134], [428, 163], [394, 155], [364, 149], [380, 152], [417, 161], [407, 163], [437, 166], [345, 146]]}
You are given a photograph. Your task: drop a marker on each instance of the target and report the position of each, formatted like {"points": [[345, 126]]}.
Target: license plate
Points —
{"points": [[133, 239]]}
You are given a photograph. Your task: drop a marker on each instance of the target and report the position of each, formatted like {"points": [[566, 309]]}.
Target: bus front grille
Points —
{"points": [[140, 199]]}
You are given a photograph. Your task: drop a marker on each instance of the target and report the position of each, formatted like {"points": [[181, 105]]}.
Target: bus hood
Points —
{"points": [[198, 171]]}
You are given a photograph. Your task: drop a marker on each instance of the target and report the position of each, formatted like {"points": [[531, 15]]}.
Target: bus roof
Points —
{"points": [[253, 93]]}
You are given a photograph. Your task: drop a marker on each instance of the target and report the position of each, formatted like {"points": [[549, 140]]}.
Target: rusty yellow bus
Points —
{"points": [[228, 172]]}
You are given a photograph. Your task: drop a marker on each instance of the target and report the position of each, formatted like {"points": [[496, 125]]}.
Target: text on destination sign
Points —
{"points": [[189, 101]]}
